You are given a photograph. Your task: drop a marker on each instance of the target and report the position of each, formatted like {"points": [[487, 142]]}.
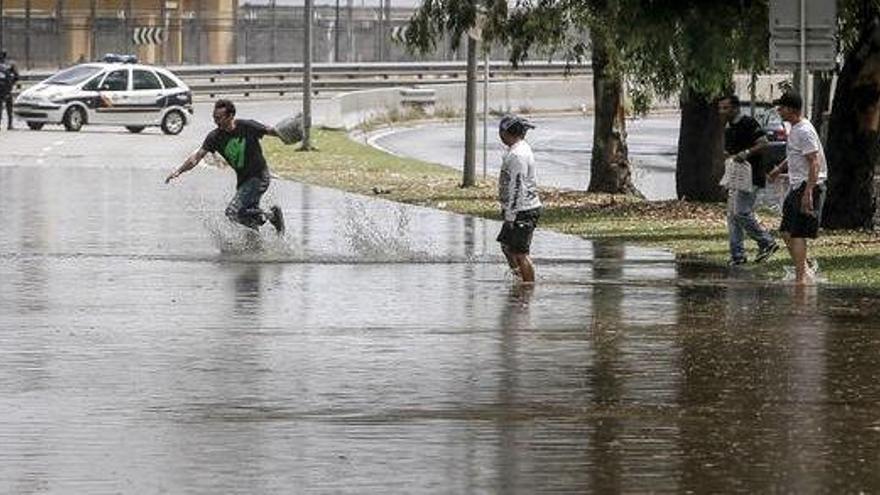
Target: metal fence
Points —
{"points": [[253, 33]]}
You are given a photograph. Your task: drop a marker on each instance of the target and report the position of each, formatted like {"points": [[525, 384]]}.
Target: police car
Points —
{"points": [[115, 91]]}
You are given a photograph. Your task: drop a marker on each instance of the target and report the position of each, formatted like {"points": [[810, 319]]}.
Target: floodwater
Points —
{"points": [[147, 346]]}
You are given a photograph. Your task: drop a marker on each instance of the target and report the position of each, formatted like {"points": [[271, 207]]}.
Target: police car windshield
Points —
{"points": [[74, 75]]}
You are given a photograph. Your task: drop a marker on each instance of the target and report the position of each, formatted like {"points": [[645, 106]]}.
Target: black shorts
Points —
{"points": [[517, 235], [797, 223]]}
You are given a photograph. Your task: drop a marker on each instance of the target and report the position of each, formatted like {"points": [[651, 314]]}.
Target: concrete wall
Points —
{"points": [[349, 110], [766, 88], [352, 109]]}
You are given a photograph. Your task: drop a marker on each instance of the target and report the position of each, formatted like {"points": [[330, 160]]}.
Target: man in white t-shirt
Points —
{"points": [[518, 195], [807, 173]]}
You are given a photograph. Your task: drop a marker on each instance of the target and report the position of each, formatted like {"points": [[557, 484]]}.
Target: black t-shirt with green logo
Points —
{"points": [[240, 148]]}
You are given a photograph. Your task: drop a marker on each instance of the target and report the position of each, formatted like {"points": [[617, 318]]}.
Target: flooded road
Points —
{"points": [[147, 346]]}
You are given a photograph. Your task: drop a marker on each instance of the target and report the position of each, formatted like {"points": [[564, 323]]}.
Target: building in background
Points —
{"points": [[57, 33]]}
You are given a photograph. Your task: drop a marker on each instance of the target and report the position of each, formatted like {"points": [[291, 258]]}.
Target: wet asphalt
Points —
{"points": [[148, 346], [562, 147]]}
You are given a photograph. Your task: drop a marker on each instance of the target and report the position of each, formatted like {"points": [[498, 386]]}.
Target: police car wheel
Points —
{"points": [[134, 129], [35, 126], [74, 118], [173, 122]]}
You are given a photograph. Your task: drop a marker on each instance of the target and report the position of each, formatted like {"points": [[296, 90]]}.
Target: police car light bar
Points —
{"points": [[121, 59]]}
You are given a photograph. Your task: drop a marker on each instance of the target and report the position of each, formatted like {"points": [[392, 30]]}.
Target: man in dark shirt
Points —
{"points": [[238, 141], [743, 141]]}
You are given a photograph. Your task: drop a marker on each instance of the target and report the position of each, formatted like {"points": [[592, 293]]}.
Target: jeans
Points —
{"points": [[741, 218], [245, 206]]}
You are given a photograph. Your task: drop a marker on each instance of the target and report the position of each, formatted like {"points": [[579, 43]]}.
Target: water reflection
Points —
{"points": [[411, 365], [605, 378]]}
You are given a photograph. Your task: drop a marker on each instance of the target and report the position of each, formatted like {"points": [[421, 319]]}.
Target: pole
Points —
{"points": [[163, 21], [126, 26], [246, 23], [2, 22], [381, 32], [336, 34], [198, 27], [93, 35], [470, 122], [307, 78], [27, 35], [349, 29], [272, 35], [236, 48], [803, 30], [59, 25], [485, 110], [386, 31]]}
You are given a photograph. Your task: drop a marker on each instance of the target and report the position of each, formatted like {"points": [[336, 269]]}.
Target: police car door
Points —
{"points": [[145, 98], [114, 95]]}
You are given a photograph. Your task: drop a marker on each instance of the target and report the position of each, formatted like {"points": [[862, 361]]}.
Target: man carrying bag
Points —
{"points": [[743, 142]]}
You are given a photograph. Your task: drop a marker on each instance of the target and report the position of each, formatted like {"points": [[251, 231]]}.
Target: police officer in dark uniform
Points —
{"points": [[8, 80]]}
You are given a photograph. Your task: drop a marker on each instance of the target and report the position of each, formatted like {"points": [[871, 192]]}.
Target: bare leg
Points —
{"points": [[511, 260], [526, 268], [797, 248]]}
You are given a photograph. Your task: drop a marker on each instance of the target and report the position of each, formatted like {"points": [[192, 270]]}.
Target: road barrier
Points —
{"points": [[281, 79], [351, 109]]}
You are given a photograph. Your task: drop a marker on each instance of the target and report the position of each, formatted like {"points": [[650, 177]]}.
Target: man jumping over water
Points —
{"points": [[238, 141]]}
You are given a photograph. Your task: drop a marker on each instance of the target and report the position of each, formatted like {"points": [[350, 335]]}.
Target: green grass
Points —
{"points": [[690, 230]]}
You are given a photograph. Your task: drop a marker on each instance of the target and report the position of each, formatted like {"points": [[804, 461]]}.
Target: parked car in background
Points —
{"points": [[765, 114], [115, 91]]}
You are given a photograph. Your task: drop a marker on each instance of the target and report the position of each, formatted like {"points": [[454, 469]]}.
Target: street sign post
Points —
{"points": [[803, 36]]}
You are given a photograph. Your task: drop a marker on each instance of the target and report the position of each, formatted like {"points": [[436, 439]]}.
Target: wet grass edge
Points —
{"points": [[692, 231]]}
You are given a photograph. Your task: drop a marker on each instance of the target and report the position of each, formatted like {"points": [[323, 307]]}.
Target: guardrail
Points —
{"points": [[280, 79]]}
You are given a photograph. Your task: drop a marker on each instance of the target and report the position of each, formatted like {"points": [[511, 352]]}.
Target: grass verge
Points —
{"points": [[690, 230]]}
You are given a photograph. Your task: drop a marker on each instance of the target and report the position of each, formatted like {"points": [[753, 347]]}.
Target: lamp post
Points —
{"points": [[470, 119], [307, 78]]}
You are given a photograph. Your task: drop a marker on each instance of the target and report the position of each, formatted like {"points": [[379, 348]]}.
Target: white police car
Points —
{"points": [[115, 91]]}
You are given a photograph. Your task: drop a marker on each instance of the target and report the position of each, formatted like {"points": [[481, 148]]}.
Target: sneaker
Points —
{"points": [[277, 219], [766, 252], [737, 262]]}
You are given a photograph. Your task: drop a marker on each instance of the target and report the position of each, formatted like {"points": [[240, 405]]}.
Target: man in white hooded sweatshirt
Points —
{"points": [[518, 195]]}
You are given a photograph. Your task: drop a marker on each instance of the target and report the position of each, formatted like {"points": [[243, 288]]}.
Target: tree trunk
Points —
{"points": [[821, 101], [852, 150], [700, 161], [610, 170]]}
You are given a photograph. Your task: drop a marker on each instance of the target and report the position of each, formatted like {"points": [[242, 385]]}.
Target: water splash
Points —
{"points": [[382, 235], [813, 275], [239, 242]]}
